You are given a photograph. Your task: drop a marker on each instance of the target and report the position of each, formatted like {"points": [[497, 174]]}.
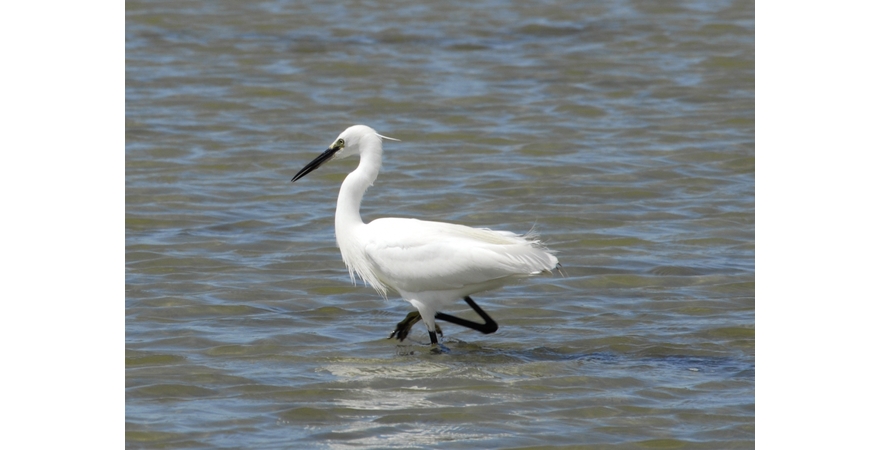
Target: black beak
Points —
{"points": [[317, 162]]}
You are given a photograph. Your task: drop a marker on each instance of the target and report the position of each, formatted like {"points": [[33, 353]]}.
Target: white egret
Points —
{"points": [[430, 264]]}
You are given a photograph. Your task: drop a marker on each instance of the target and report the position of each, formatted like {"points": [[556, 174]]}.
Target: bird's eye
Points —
{"points": [[340, 143]]}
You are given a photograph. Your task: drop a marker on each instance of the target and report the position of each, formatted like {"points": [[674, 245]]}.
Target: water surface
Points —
{"points": [[623, 133]]}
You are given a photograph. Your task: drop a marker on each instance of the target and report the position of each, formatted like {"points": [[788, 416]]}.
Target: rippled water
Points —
{"points": [[623, 133]]}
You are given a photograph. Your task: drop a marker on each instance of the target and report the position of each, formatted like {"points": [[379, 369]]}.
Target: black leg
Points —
{"points": [[405, 325], [489, 327]]}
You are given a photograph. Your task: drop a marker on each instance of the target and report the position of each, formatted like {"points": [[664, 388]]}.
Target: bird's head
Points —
{"points": [[350, 142]]}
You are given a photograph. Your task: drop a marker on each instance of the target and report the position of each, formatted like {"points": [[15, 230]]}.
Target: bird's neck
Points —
{"points": [[348, 205]]}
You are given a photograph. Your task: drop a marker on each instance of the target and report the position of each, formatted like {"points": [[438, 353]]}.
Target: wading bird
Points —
{"points": [[431, 264]]}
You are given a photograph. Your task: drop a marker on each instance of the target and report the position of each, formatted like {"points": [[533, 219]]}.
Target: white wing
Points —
{"points": [[414, 255]]}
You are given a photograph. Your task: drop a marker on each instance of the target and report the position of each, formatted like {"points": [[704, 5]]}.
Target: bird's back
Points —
{"points": [[416, 256]]}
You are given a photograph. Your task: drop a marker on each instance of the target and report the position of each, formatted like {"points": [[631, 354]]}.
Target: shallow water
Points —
{"points": [[624, 134]]}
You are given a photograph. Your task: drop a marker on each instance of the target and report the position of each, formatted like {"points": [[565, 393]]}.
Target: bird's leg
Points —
{"points": [[405, 325], [489, 327]]}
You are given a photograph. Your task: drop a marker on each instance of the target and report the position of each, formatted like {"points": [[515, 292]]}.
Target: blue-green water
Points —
{"points": [[624, 134]]}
